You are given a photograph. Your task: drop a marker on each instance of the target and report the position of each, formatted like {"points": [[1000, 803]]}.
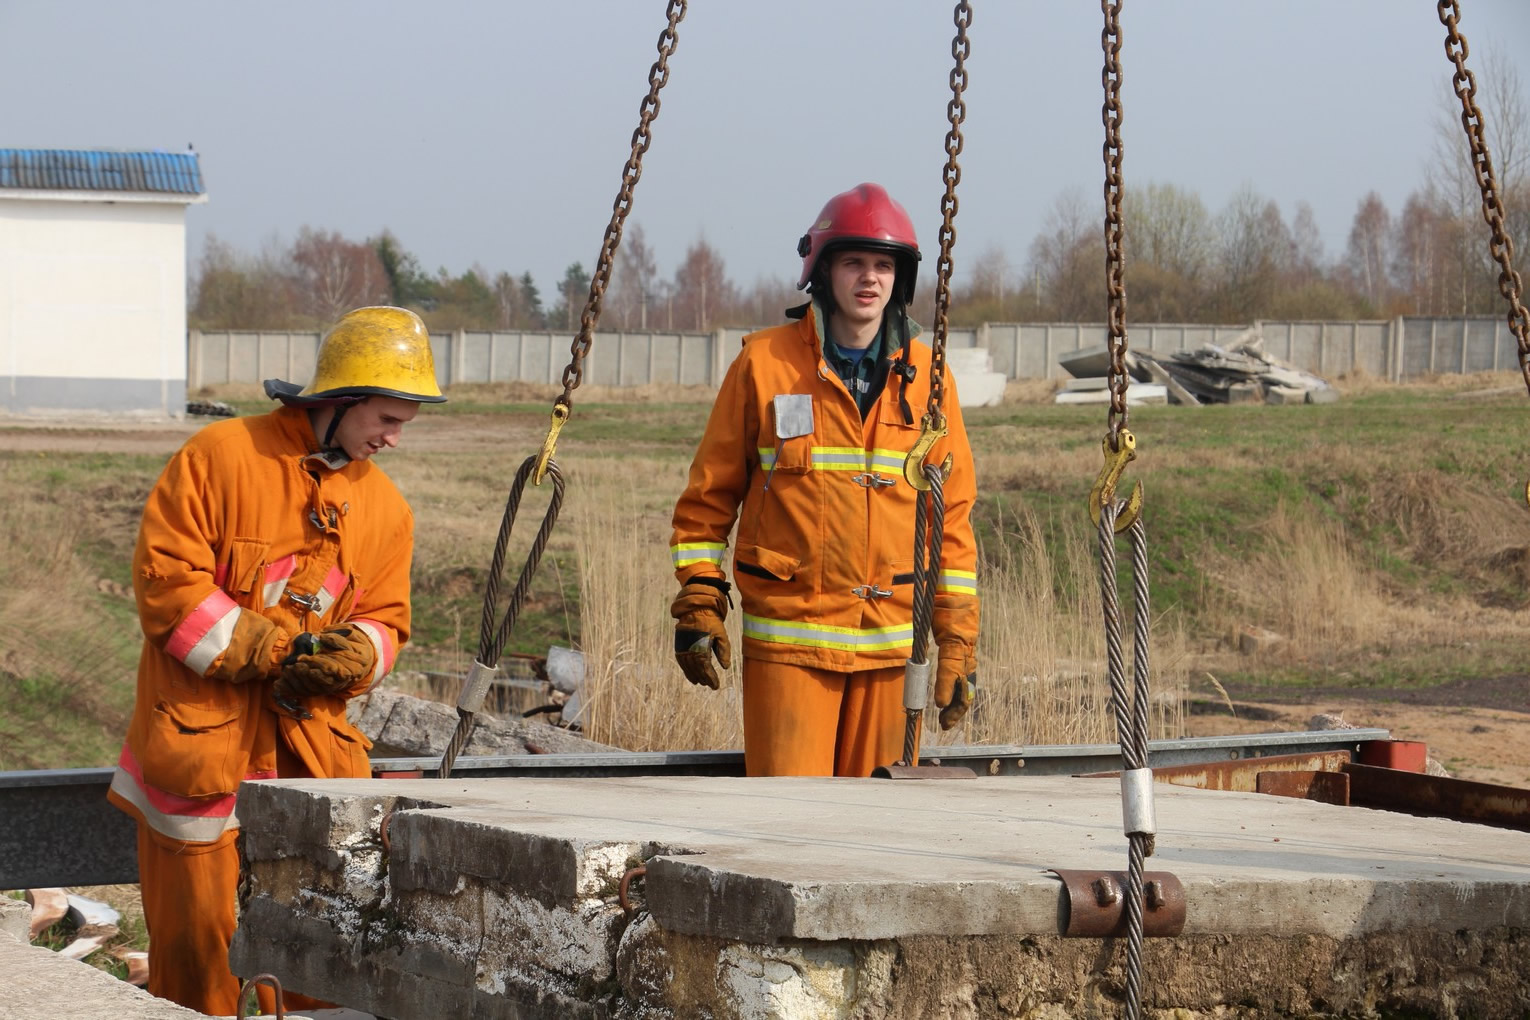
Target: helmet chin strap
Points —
{"points": [[334, 423]]}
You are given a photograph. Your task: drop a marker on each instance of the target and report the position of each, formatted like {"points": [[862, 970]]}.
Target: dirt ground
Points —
{"points": [[1477, 730]]}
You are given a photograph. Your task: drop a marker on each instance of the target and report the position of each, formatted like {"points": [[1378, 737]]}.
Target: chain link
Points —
{"points": [[1501, 246], [956, 111], [1115, 259], [658, 77]]}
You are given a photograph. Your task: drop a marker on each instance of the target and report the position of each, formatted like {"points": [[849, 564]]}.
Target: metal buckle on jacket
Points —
{"points": [[308, 602], [870, 591], [868, 480]]}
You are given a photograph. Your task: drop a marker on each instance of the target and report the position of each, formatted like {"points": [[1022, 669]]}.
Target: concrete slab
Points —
{"points": [[497, 897]]}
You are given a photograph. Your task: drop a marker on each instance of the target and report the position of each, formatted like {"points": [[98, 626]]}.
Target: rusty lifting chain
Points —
{"points": [[1501, 244], [648, 111], [493, 633], [928, 479]]}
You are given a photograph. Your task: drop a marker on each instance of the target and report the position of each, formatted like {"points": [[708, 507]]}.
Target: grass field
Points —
{"points": [[1382, 538]]}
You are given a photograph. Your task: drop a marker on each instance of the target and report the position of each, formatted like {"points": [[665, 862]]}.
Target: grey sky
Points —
{"points": [[494, 132]]}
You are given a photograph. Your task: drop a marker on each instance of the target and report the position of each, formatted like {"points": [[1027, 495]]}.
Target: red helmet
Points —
{"points": [[864, 218]]}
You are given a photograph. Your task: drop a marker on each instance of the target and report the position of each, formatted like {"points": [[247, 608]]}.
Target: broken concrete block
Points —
{"points": [[565, 669], [15, 918], [401, 726], [1256, 640], [1323, 395], [1245, 393], [1284, 395]]}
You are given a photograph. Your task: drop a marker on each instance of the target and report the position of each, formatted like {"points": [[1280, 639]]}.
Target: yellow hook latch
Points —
{"points": [[931, 428], [1104, 490], [560, 413]]}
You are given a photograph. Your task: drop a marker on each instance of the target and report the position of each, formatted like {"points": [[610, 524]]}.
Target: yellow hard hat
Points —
{"points": [[374, 351]]}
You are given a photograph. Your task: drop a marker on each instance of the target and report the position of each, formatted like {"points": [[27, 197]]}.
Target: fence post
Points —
{"points": [[719, 342], [459, 345], [193, 360]]}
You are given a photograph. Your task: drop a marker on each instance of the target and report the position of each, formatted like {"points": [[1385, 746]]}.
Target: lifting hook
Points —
{"points": [[932, 427], [560, 415], [1104, 490]]}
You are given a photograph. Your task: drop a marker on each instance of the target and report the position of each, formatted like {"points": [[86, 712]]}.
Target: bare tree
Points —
{"points": [[1368, 258], [1067, 261], [702, 287], [633, 279], [333, 275]]}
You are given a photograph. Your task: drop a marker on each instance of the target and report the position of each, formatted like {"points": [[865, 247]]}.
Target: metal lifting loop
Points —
{"points": [[1501, 246], [560, 413], [658, 77], [269, 979], [492, 636]]}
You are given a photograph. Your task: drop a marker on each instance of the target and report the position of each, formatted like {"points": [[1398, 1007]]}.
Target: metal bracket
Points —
{"points": [[1094, 904]]}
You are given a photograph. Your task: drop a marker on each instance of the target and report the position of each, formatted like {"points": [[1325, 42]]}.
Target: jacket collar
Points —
{"points": [[297, 430]]}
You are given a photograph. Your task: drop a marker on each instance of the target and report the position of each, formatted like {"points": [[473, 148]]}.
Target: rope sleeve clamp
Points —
{"points": [[916, 685], [1104, 490], [1137, 816], [475, 687]]}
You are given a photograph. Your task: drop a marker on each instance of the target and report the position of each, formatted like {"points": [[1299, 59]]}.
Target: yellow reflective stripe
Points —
{"points": [[963, 581], [687, 553], [844, 458], [848, 639]]}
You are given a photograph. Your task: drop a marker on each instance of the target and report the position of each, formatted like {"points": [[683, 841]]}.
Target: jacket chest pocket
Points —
{"points": [[787, 447], [242, 576]]}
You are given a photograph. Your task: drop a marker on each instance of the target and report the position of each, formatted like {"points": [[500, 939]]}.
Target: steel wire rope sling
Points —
{"points": [[492, 635], [1112, 516], [929, 479], [1501, 245]]}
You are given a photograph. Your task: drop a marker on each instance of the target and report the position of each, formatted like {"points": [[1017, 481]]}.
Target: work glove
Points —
{"points": [[699, 611], [250, 649], [326, 663], [955, 683]]}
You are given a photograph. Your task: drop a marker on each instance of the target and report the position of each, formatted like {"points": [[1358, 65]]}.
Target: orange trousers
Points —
{"points": [[800, 721], [190, 895]]}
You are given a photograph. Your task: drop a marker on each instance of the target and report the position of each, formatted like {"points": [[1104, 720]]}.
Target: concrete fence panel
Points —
{"points": [[1395, 349]]}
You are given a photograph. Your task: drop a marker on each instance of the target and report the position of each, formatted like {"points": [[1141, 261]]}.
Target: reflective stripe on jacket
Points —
{"points": [[824, 560], [248, 518]]}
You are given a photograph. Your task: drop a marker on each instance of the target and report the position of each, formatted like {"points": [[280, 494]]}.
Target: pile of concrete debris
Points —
{"points": [[1236, 372]]}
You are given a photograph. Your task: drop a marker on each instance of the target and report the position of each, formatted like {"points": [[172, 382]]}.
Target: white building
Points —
{"points": [[93, 280]]}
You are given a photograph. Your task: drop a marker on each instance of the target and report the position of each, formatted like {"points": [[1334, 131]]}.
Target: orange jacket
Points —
{"points": [[824, 558], [248, 524]]}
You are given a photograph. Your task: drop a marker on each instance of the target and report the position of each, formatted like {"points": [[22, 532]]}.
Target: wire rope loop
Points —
{"points": [[648, 112]]}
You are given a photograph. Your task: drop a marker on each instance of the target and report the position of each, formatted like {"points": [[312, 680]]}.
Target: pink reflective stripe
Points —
{"points": [[220, 574], [173, 803], [205, 633], [334, 584], [277, 575], [382, 643]]}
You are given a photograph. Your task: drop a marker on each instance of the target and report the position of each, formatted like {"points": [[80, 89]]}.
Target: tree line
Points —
{"points": [[1185, 263]]}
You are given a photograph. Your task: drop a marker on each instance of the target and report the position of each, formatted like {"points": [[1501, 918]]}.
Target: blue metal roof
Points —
{"points": [[100, 170]]}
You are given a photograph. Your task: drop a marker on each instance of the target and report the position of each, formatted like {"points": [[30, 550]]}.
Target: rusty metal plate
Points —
{"points": [[1325, 787], [1242, 775], [1094, 904], [922, 772], [1371, 786]]}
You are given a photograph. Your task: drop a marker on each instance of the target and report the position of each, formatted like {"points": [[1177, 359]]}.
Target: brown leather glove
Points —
{"points": [[699, 611], [250, 649], [955, 683], [326, 663]]}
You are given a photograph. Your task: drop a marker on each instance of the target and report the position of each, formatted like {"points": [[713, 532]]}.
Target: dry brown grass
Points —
{"points": [[1041, 675]]}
